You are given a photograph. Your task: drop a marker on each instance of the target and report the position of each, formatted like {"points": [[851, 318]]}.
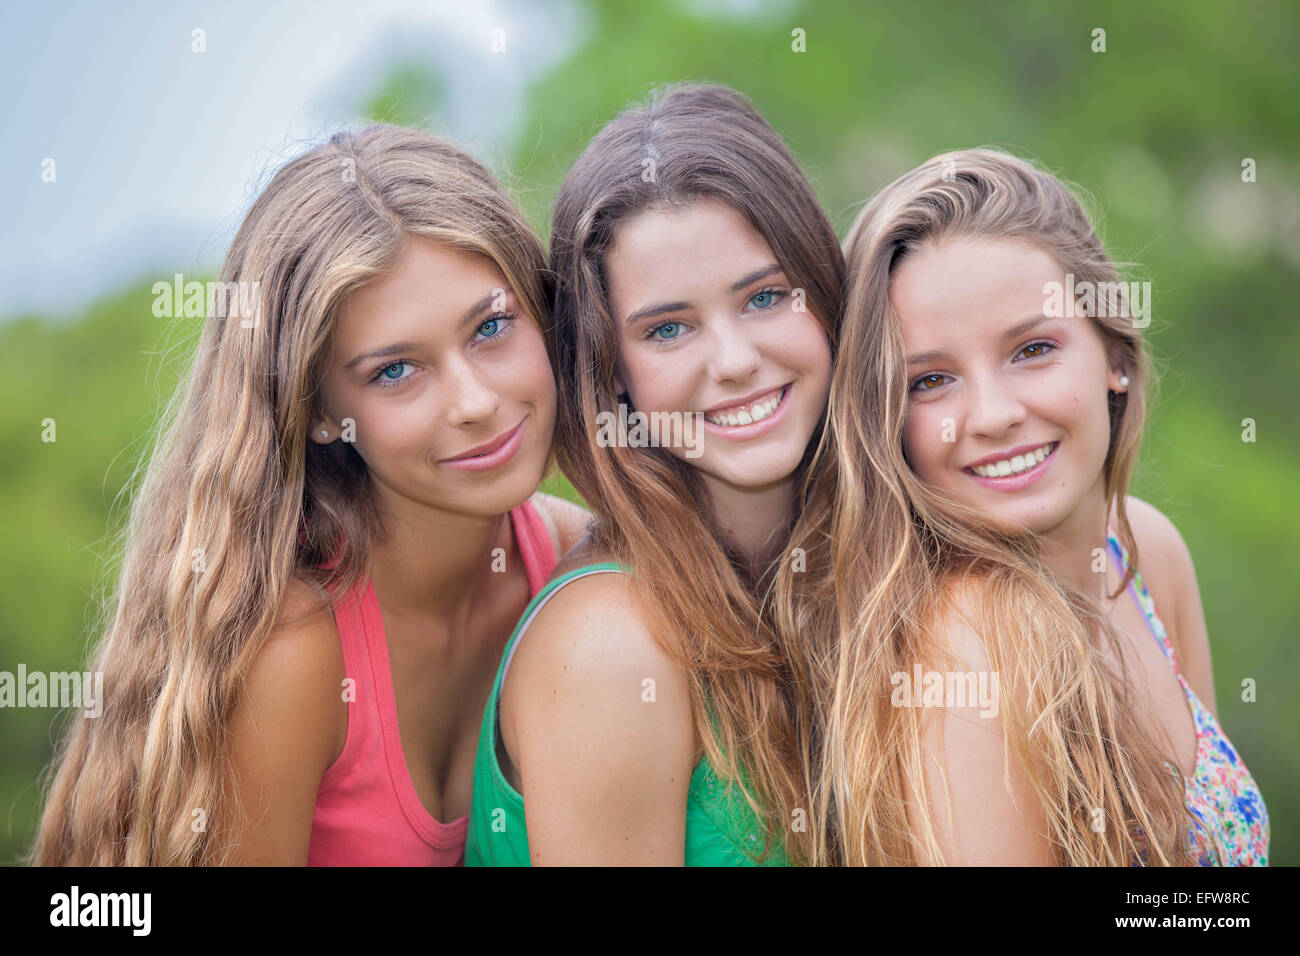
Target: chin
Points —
{"points": [[1035, 520], [498, 495], [752, 479]]}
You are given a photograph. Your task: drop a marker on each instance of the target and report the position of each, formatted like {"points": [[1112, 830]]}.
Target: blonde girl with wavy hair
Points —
{"points": [[650, 713], [334, 534], [998, 697]]}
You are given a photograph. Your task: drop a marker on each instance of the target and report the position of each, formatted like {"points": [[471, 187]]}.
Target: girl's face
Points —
{"points": [[447, 381], [708, 322], [1007, 408]]}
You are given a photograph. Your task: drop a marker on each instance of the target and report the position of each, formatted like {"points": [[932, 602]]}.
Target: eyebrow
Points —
{"points": [[1012, 333], [472, 313], [660, 308]]}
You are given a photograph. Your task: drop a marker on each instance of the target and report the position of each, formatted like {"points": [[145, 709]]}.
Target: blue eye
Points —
{"points": [[671, 330], [391, 374], [494, 326], [768, 297]]}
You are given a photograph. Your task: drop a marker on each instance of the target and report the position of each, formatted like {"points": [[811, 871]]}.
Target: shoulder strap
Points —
{"points": [[545, 595], [1146, 604]]}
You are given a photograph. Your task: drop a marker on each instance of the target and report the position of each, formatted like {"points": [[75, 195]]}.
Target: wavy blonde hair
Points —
{"points": [[904, 554], [749, 696], [234, 479]]}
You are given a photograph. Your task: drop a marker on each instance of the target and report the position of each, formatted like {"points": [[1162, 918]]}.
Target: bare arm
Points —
{"points": [[288, 728], [605, 771]]}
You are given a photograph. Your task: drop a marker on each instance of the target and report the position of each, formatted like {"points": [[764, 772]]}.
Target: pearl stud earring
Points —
{"points": [[1123, 380], [325, 434]]}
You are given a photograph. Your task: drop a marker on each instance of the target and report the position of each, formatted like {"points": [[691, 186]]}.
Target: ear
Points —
{"points": [[324, 430], [1117, 379]]}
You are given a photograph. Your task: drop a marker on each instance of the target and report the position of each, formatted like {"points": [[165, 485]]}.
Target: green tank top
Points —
{"points": [[721, 830]]}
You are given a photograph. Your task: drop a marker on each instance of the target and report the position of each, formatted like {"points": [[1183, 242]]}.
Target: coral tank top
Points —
{"points": [[367, 810]]}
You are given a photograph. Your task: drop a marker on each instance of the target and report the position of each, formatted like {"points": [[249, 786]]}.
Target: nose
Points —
{"points": [[469, 396], [994, 409], [734, 357]]}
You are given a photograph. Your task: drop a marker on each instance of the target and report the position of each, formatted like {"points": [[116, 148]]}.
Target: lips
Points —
{"points": [[995, 470], [769, 417], [489, 454], [1011, 462], [754, 408]]}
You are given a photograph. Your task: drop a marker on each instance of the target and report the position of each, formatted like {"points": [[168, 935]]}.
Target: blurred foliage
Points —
{"points": [[1155, 129]]}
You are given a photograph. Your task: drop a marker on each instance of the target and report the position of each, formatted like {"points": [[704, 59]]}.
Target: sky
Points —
{"points": [[158, 148]]}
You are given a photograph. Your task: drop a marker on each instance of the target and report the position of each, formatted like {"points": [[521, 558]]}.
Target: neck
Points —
{"points": [[1068, 548], [433, 562], [752, 520]]}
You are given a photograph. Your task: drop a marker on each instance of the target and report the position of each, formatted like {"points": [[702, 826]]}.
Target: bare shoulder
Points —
{"points": [[1165, 564], [1163, 556], [978, 799], [289, 725], [569, 520], [1169, 574], [303, 646], [293, 688], [597, 719], [954, 624], [592, 633]]}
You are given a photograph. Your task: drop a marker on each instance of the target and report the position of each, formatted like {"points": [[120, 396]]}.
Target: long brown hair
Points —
{"points": [[235, 500], [902, 551], [749, 695]]}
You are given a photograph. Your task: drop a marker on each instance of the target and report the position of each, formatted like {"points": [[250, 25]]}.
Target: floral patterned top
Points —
{"points": [[1222, 795]]}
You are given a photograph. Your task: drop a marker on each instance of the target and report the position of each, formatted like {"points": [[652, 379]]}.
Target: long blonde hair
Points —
{"points": [[235, 501], [901, 551], [750, 699]]}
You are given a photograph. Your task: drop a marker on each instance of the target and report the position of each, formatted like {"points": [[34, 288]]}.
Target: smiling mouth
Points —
{"points": [[1014, 465], [749, 412]]}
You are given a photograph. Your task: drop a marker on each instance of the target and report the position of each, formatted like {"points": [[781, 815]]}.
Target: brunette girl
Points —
{"points": [[655, 716]]}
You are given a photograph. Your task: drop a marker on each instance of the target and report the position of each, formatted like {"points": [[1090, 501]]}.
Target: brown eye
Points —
{"points": [[928, 383], [1037, 349]]}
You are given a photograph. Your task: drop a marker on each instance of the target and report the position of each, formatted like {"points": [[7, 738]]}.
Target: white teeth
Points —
{"points": [[747, 415], [1014, 465]]}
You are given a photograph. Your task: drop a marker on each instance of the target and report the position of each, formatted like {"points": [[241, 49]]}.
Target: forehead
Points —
{"points": [[697, 246], [969, 285], [430, 285]]}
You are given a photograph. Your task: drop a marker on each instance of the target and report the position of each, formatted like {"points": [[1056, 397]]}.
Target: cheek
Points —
{"points": [[801, 345], [923, 440], [525, 371], [660, 383], [1075, 399]]}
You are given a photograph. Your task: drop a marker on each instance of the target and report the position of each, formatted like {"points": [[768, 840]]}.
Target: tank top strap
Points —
{"points": [[356, 616], [540, 551], [1146, 605]]}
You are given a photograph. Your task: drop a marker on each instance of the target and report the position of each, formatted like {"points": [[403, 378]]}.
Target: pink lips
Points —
{"points": [[490, 455], [1016, 482]]}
